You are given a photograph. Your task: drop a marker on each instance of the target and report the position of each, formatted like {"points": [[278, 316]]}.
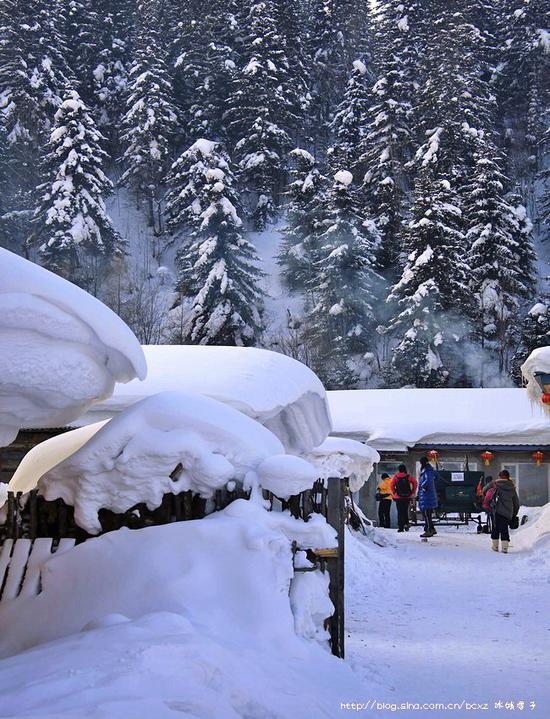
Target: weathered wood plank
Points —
{"points": [[40, 552], [335, 565], [16, 571], [5, 554]]}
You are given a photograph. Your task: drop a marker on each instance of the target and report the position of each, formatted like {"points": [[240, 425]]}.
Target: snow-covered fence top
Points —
{"points": [[62, 349], [394, 419], [171, 442], [538, 362], [281, 393], [344, 458]]}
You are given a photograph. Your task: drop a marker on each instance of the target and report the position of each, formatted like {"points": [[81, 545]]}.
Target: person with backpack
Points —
{"points": [[502, 501], [427, 496], [403, 489], [384, 497]]}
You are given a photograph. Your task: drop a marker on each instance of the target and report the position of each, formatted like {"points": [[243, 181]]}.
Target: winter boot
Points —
{"points": [[505, 546], [494, 545]]}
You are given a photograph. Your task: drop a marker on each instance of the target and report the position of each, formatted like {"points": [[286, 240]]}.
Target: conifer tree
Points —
{"points": [[350, 120], [217, 265], [535, 333], [341, 317], [501, 259], [260, 112], [304, 217], [431, 292], [71, 224], [387, 142], [149, 124]]}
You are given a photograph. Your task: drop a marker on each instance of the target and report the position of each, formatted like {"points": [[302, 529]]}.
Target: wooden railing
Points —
{"points": [[31, 517]]}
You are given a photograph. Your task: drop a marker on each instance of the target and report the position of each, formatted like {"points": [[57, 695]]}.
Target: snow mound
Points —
{"points": [[340, 457], [538, 361], [170, 443], [62, 349], [228, 574], [281, 393], [535, 530], [47, 455]]}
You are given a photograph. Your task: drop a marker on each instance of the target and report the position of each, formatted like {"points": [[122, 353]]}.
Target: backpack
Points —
{"points": [[403, 487], [491, 499]]}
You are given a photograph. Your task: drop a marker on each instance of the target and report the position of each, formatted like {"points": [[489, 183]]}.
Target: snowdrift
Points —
{"points": [[61, 349], [133, 458], [279, 392], [188, 619], [340, 457]]}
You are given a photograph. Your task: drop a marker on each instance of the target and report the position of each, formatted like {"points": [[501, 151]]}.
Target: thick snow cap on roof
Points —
{"points": [[537, 362], [60, 349], [340, 457], [281, 393], [170, 443], [394, 419]]}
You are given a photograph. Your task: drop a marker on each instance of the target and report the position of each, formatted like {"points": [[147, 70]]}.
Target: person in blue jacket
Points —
{"points": [[427, 496]]}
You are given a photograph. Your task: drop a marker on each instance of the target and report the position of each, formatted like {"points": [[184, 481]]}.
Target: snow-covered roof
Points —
{"points": [[537, 362], [341, 457], [62, 349], [395, 419], [133, 457], [281, 393]]}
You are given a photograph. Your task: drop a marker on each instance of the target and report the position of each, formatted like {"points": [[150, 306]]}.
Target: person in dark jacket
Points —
{"points": [[427, 496], [403, 488], [505, 509], [383, 492]]}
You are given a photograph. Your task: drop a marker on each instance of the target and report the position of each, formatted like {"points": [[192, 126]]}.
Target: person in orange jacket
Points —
{"points": [[403, 488], [384, 497]]}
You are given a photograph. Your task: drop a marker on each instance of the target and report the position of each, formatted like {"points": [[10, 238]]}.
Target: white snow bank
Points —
{"points": [[536, 529], [170, 443], [395, 419], [47, 454], [538, 361], [340, 457], [61, 349], [228, 574], [281, 393]]}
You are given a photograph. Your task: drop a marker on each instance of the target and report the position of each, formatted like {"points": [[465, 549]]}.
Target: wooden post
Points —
{"points": [[335, 565], [33, 514], [10, 534]]}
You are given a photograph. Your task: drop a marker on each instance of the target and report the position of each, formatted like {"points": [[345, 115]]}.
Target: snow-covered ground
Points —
{"points": [[450, 620]]}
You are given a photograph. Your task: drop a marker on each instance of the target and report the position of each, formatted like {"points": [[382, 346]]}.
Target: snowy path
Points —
{"points": [[449, 621]]}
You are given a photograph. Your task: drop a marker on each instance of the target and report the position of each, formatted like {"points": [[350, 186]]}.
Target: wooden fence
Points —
{"points": [[31, 519]]}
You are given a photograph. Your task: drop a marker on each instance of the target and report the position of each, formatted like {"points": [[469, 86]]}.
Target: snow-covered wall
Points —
{"points": [[60, 349]]}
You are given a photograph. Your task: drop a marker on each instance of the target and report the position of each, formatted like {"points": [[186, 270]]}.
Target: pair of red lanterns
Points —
{"points": [[487, 456]]}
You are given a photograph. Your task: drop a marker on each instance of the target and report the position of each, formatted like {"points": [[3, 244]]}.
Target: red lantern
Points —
{"points": [[433, 455], [538, 456], [487, 457], [545, 399]]}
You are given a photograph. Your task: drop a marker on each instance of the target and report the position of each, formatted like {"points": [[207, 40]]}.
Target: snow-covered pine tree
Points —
{"points": [[341, 317], [260, 112], [430, 295], [111, 65], [350, 120], [150, 122], [501, 259], [81, 31], [535, 333], [217, 264], [523, 82], [204, 56], [33, 77], [75, 233], [455, 108], [388, 139], [304, 216]]}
